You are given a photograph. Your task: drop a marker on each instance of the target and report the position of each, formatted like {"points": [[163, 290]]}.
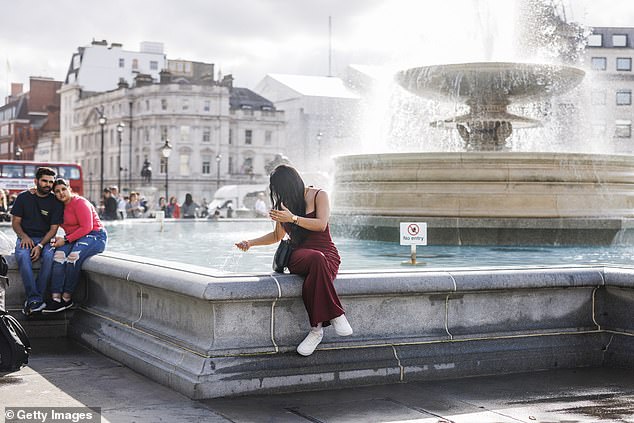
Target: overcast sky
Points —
{"points": [[250, 38]]}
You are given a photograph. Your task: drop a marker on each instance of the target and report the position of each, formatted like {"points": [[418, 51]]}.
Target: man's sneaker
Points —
{"points": [[57, 306], [308, 345], [341, 325], [33, 307]]}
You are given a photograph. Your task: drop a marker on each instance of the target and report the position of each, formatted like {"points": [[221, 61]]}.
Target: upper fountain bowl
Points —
{"points": [[490, 82]]}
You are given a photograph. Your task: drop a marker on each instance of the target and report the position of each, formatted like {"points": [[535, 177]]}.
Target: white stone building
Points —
{"points": [[100, 67], [322, 116], [219, 134], [609, 55]]}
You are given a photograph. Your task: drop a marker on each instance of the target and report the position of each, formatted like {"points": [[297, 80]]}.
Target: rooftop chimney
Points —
{"points": [[16, 89]]}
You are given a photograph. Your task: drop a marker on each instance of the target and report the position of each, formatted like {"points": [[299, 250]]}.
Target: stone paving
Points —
{"points": [[62, 373]]}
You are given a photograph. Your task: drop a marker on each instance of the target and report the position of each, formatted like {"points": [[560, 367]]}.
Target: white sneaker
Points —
{"points": [[308, 345], [341, 325]]}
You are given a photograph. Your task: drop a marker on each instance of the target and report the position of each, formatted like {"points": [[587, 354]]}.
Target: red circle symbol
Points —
{"points": [[413, 229]]}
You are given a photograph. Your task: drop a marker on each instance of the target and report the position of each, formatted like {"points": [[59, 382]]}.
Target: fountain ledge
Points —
{"points": [[207, 334]]}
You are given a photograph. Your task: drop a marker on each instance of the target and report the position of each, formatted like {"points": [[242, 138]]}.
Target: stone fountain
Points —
{"points": [[486, 194]]}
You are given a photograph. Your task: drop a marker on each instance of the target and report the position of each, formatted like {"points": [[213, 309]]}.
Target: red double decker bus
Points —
{"points": [[18, 175]]}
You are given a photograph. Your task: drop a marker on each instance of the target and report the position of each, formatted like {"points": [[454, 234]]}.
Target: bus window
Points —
{"points": [[12, 171], [29, 171], [68, 172]]}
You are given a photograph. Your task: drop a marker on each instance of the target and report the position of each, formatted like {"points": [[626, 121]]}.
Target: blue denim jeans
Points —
{"points": [[69, 258], [34, 288]]}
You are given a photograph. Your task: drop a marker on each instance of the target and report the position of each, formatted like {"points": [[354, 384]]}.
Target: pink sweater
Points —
{"points": [[80, 218]]}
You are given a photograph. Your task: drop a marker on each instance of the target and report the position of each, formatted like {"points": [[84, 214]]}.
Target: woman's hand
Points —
{"points": [[57, 242], [282, 216], [243, 245]]}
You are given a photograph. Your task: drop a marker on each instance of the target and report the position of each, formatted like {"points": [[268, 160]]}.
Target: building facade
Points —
{"points": [[322, 116], [219, 135], [609, 54], [30, 118], [101, 67]]}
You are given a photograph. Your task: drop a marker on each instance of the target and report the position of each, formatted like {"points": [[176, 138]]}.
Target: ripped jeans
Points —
{"points": [[68, 259]]}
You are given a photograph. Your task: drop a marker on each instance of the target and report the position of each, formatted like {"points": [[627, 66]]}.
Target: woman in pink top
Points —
{"points": [[85, 237]]}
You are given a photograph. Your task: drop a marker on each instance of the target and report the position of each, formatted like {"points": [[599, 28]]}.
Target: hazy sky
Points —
{"points": [[250, 38]]}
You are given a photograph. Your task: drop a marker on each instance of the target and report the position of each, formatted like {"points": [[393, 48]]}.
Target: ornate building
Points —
{"points": [[219, 134]]}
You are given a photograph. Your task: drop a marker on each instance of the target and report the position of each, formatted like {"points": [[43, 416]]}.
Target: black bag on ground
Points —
{"points": [[282, 255], [14, 344]]}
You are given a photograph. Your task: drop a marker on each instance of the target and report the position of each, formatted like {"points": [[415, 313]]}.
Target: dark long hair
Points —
{"points": [[286, 186]]}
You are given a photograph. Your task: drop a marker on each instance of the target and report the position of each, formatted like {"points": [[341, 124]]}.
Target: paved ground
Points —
{"points": [[64, 374]]}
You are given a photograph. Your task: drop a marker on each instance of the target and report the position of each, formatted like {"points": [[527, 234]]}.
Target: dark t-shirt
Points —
{"points": [[38, 213]]}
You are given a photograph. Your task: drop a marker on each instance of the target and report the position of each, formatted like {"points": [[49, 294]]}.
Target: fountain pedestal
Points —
{"points": [[485, 198]]}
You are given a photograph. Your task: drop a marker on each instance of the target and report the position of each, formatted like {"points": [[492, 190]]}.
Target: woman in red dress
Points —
{"points": [[303, 213]]}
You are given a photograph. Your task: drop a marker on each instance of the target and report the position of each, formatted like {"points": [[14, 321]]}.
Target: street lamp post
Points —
{"points": [[102, 123], [120, 127], [90, 186], [166, 150], [218, 158]]}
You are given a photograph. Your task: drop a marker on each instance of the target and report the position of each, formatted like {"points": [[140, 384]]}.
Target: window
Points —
{"points": [[623, 129], [164, 131], [247, 110], [147, 105], [206, 134], [121, 62], [619, 40], [623, 97], [599, 63], [595, 40], [267, 137], [623, 63], [230, 165], [248, 136], [247, 166], [163, 165], [12, 171], [206, 170], [230, 136], [185, 104], [163, 104], [135, 63], [184, 133], [206, 106], [184, 164], [153, 65]]}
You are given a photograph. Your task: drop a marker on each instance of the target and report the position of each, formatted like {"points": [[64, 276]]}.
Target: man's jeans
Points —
{"points": [[69, 257], [34, 288]]}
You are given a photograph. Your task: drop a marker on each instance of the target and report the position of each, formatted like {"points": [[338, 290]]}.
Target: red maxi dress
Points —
{"points": [[318, 260]]}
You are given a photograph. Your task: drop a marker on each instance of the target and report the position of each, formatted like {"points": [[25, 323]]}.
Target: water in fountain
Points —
{"points": [[476, 185], [480, 31]]}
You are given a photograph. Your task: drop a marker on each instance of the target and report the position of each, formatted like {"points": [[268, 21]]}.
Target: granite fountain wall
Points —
{"points": [[209, 335]]}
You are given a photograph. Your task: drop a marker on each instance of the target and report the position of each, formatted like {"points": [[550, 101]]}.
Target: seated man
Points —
{"points": [[36, 217]]}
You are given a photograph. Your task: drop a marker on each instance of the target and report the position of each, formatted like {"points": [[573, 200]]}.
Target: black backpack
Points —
{"points": [[14, 344]]}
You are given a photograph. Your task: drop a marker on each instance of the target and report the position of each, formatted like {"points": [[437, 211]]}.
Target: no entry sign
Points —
{"points": [[413, 233]]}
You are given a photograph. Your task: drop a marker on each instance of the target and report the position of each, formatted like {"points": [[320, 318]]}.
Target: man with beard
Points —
{"points": [[36, 217]]}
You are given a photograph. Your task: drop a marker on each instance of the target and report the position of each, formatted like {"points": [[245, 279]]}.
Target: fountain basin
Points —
{"points": [[209, 336], [565, 196], [488, 88], [490, 82]]}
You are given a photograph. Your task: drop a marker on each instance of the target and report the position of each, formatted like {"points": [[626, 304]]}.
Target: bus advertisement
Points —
{"points": [[18, 175]]}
